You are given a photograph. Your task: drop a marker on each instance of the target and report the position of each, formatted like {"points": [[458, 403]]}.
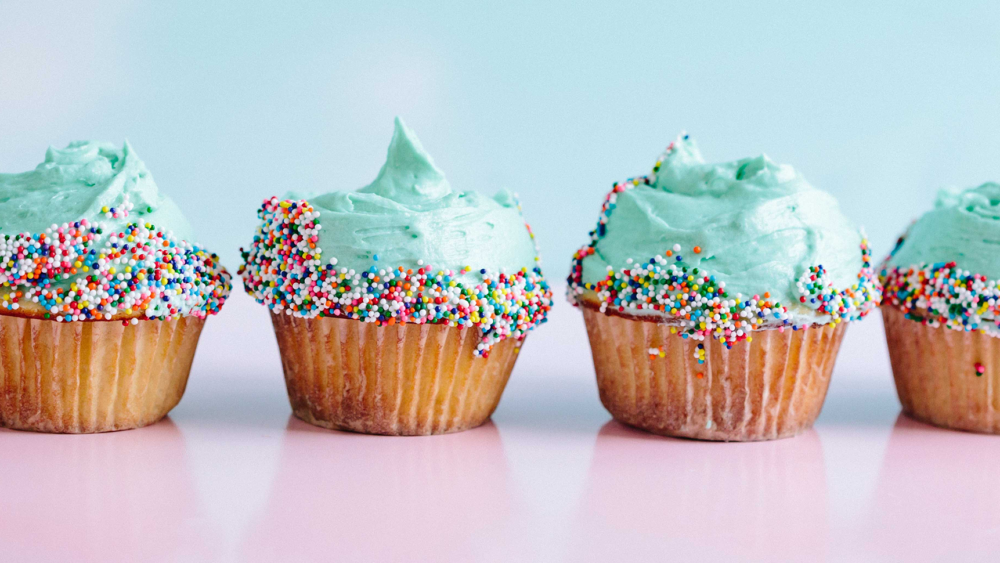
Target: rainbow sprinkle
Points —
{"points": [[699, 353], [696, 302], [137, 271], [284, 270], [942, 294]]}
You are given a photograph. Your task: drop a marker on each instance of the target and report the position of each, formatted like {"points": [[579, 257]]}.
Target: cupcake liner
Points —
{"points": [[403, 379], [936, 377], [771, 387], [93, 376]]}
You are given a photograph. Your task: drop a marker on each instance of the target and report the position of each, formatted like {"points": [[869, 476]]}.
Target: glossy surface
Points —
{"points": [[231, 477]]}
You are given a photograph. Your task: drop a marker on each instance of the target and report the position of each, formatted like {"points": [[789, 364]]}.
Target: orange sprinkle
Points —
{"points": [[697, 250]]}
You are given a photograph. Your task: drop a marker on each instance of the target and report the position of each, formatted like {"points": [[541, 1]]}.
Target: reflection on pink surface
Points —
{"points": [[938, 494], [655, 498], [351, 497], [123, 496]]}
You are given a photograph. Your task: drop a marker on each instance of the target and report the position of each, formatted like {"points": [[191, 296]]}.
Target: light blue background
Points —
{"points": [[231, 103]]}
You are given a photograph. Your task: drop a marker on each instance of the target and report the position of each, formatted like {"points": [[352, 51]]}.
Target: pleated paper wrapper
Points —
{"points": [[405, 379], [92, 376], [936, 377], [772, 387]]}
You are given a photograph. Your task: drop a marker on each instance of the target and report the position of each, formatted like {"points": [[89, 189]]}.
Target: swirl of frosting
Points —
{"points": [[744, 229], [79, 182], [87, 235], [411, 214], [963, 227], [405, 248]]}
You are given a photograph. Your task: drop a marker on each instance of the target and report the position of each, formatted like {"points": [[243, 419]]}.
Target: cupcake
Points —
{"points": [[716, 297], [102, 294], [942, 312], [399, 308]]}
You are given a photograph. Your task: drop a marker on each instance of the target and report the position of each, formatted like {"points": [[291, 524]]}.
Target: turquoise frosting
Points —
{"points": [[87, 235], [409, 216], [963, 227], [78, 182], [759, 226]]}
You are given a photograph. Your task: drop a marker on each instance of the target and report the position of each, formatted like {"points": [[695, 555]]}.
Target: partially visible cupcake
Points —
{"points": [[942, 311], [103, 293], [399, 308], [716, 297]]}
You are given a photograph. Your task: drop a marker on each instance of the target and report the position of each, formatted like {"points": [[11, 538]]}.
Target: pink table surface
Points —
{"points": [[231, 476]]}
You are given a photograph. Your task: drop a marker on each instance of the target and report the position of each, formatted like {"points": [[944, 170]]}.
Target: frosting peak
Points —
{"points": [[983, 200], [963, 227], [409, 214], [403, 249], [682, 151], [682, 170], [694, 234], [409, 174], [86, 180]]}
